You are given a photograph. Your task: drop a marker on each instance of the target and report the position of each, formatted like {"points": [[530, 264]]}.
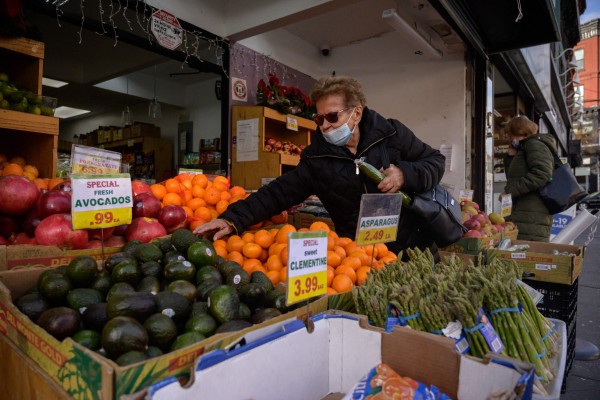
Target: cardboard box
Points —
{"points": [[476, 259], [546, 262], [98, 377], [147, 130], [303, 220], [291, 363], [28, 256], [127, 132], [472, 245]]}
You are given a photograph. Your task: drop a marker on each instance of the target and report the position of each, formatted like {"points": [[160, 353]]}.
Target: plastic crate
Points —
{"points": [[559, 302], [570, 355]]}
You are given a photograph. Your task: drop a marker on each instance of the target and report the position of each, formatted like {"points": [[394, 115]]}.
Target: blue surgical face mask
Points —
{"points": [[341, 135], [515, 143]]}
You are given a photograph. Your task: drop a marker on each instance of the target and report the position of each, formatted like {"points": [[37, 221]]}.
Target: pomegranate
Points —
{"points": [[146, 205], [120, 230], [97, 233], [94, 244], [64, 186], [32, 220], [115, 241], [54, 202], [8, 225], [57, 230], [145, 229], [139, 187], [172, 217], [22, 238], [17, 194]]}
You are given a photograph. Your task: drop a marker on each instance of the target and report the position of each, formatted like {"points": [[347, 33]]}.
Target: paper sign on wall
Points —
{"points": [[247, 140]]}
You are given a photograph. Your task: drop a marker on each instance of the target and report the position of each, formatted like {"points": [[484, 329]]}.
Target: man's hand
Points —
{"points": [[393, 181], [217, 227]]}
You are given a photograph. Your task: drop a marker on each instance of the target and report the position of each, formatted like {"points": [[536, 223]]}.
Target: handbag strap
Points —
{"points": [[557, 161]]}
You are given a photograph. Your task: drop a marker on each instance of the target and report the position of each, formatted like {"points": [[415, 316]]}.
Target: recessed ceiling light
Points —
{"points": [[53, 83], [68, 112]]}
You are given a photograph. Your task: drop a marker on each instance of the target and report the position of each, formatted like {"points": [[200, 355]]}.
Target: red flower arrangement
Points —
{"points": [[285, 99]]}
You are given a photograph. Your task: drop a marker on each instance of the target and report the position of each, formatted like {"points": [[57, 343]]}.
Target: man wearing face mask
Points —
{"points": [[347, 131]]}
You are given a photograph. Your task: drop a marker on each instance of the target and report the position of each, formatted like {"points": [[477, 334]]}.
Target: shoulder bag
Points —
{"points": [[562, 190], [441, 213]]}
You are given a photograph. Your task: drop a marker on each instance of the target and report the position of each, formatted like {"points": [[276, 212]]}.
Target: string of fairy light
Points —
{"points": [[262, 65], [191, 40]]}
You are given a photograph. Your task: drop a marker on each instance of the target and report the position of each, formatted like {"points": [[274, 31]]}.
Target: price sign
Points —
{"points": [[307, 265], [465, 195], [101, 201], [291, 123], [91, 160], [378, 218], [191, 171], [506, 205]]}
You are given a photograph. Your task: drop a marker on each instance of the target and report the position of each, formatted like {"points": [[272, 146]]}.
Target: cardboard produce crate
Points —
{"points": [[546, 262], [476, 259], [84, 374], [473, 246], [291, 363], [28, 256], [147, 130]]}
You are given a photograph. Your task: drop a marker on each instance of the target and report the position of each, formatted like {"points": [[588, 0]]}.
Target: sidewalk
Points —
{"points": [[583, 382]]}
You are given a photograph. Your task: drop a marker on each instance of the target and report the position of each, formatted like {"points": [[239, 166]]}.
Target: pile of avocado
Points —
{"points": [[19, 99], [150, 298]]}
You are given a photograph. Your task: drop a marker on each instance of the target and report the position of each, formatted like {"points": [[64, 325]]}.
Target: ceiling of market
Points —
{"points": [[99, 58]]}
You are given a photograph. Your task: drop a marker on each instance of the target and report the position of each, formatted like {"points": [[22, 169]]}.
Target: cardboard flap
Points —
{"points": [[18, 282], [402, 350], [481, 380]]}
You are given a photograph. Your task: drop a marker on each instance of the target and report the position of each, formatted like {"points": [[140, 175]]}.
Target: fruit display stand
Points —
{"points": [[34, 137], [271, 125], [85, 374]]}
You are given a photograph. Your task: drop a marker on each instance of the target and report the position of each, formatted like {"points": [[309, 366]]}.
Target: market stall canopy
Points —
{"points": [[495, 26]]}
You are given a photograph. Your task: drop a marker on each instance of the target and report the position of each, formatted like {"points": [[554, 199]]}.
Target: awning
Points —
{"points": [[494, 26]]}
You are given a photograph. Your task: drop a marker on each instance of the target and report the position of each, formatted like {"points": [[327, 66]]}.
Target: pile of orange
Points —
{"points": [[266, 250], [18, 166], [203, 197]]}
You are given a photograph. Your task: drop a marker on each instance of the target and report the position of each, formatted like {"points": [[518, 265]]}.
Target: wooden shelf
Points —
{"points": [[272, 125], [34, 137], [25, 122]]}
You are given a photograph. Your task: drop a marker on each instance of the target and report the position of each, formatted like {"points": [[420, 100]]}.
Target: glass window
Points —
{"points": [[579, 58]]}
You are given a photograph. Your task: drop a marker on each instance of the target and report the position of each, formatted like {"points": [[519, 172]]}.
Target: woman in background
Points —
{"points": [[529, 166]]}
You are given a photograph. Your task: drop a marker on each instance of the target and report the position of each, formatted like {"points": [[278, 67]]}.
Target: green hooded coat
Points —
{"points": [[528, 171]]}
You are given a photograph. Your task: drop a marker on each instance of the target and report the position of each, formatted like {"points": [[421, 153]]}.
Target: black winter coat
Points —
{"points": [[330, 172]]}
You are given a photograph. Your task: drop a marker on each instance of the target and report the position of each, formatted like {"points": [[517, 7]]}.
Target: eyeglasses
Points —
{"points": [[331, 117]]}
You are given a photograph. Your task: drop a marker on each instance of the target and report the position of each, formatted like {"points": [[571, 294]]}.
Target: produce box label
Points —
{"points": [[101, 201], [378, 218], [91, 160], [454, 330], [489, 333], [68, 364], [307, 265]]}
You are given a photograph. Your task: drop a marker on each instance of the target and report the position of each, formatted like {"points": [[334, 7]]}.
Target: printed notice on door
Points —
{"points": [[247, 140]]}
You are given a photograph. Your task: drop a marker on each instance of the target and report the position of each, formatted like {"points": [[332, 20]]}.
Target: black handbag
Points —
{"points": [[563, 190], [441, 213]]}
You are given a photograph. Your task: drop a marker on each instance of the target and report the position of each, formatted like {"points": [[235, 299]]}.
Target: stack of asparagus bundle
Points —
{"points": [[496, 312]]}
